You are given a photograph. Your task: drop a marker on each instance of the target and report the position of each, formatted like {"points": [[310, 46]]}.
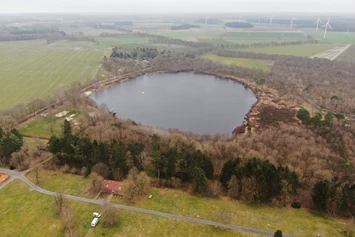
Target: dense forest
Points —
{"points": [[239, 24]]}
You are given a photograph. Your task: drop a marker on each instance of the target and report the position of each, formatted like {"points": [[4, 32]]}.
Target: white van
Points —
{"points": [[95, 221]]}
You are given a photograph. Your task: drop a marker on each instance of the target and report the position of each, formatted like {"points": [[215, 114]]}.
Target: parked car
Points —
{"points": [[95, 221]]}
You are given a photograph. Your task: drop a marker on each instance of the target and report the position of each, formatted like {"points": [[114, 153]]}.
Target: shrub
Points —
{"points": [[12, 167], [278, 233], [175, 182], [296, 205]]}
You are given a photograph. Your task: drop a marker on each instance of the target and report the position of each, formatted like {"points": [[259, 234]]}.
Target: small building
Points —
{"points": [[111, 186]]}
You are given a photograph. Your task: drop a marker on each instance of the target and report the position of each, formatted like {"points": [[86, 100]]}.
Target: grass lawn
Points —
{"points": [[43, 126], [33, 69], [29, 213], [291, 221], [264, 65], [63, 183], [305, 50]]}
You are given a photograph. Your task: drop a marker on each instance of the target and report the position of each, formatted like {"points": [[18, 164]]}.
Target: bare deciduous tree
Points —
{"points": [[110, 215], [59, 202], [69, 220]]}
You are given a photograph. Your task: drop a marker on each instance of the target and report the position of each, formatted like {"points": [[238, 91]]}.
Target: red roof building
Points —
{"points": [[111, 186]]}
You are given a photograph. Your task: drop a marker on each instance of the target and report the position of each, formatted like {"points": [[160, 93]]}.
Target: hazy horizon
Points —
{"points": [[183, 6]]}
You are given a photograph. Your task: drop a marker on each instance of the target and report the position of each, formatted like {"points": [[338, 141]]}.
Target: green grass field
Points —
{"points": [[63, 183], [293, 222], [264, 65], [296, 222], [33, 69], [29, 213], [43, 126], [305, 50], [122, 42], [334, 37], [257, 40], [265, 35]]}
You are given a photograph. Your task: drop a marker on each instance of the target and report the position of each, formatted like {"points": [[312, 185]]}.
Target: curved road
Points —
{"points": [[21, 175]]}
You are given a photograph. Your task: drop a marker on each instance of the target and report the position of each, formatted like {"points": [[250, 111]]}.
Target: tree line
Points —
{"points": [[137, 53], [239, 24]]}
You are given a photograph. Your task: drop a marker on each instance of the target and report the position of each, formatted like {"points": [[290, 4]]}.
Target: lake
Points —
{"points": [[187, 101]]}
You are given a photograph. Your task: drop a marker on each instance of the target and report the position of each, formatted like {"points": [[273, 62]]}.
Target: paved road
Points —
{"points": [[333, 53], [21, 175]]}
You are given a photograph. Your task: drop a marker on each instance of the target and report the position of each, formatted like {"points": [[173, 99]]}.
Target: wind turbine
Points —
{"points": [[317, 22], [292, 21], [259, 20], [206, 20], [271, 19], [326, 28], [240, 18]]}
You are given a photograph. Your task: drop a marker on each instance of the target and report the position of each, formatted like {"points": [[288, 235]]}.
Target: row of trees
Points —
{"points": [[239, 24], [136, 53]]}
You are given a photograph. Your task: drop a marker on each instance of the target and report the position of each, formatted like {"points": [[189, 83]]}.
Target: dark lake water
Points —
{"points": [[190, 102]]}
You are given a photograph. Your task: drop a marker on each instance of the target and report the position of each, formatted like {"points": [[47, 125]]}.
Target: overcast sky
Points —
{"points": [[146, 6]]}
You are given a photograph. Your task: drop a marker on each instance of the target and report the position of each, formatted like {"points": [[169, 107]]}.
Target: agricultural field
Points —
{"points": [[122, 42], [305, 50], [88, 31], [222, 209], [29, 213], [33, 69], [295, 35], [205, 32], [238, 36], [348, 55], [264, 65], [333, 37]]}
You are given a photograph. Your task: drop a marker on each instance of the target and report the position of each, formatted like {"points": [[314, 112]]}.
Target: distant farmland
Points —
{"points": [[33, 69], [266, 35], [335, 37], [305, 50], [264, 65]]}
